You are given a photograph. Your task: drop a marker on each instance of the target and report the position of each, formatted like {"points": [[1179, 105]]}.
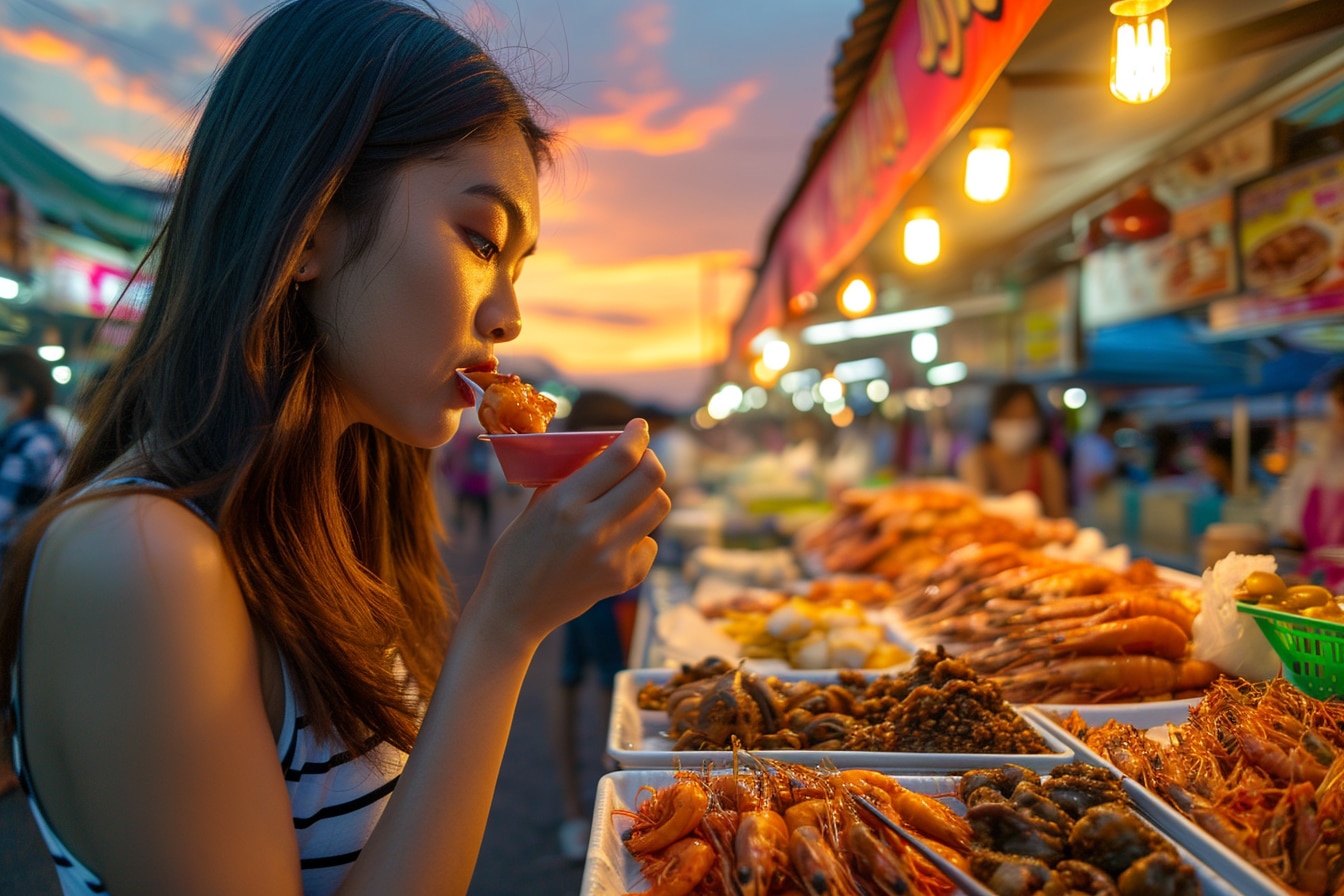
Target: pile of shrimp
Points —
{"points": [[1046, 629], [1259, 766], [1051, 630], [782, 828], [907, 528]]}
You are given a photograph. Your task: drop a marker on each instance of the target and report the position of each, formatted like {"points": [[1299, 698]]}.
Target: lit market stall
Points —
{"points": [[912, 687]]}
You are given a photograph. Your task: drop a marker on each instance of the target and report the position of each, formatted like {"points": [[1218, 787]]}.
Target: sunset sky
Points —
{"points": [[686, 123]]}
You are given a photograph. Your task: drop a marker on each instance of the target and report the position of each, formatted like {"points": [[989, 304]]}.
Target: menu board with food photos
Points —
{"points": [[1290, 241], [1291, 230], [1193, 263]]}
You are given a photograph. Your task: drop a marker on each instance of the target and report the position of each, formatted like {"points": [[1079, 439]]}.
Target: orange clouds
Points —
{"points": [[673, 311], [166, 162], [632, 126], [41, 46], [103, 78], [647, 118], [647, 25]]}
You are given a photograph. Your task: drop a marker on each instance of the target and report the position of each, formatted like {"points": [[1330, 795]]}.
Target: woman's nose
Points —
{"points": [[499, 318]]}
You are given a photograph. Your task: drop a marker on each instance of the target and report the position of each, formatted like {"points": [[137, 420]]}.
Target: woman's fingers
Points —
{"points": [[612, 465]]}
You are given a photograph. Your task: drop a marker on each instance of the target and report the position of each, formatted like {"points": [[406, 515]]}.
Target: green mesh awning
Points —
{"points": [[66, 195]]}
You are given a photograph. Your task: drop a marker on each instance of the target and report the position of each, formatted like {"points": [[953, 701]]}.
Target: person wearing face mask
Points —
{"points": [[31, 445], [1015, 457], [1308, 510]]}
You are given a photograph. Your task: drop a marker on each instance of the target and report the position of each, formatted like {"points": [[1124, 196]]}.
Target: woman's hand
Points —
{"points": [[578, 541]]}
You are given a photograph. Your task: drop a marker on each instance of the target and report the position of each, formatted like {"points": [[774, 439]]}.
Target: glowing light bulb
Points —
{"points": [[924, 346], [1140, 50], [988, 164], [856, 299], [775, 355], [923, 240]]}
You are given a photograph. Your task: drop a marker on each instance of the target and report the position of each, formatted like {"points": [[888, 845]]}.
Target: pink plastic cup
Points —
{"points": [[533, 459]]}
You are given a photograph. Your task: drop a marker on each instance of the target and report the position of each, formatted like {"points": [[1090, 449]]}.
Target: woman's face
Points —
{"points": [[434, 292], [1019, 407]]}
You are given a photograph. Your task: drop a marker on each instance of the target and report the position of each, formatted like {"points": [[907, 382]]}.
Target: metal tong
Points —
{"points": [[969, 885]]}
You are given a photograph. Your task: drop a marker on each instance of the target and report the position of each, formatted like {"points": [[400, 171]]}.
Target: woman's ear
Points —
{"points": [[323, 247], [309, 263]]}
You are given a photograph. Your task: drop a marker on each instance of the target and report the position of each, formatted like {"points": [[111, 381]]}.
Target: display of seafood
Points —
{"points": [[778, 828], [1046, 624], [1051, 630], [1073, 831], [823, 629], [905, 530], [769, 827], [1259, 766], [938, 706]]}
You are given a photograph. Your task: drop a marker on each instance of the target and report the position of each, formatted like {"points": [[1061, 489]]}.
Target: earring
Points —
{"points": [[303, 269]]}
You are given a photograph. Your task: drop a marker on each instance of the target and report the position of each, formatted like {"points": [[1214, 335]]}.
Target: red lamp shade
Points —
{"points": [[1138, 218]]}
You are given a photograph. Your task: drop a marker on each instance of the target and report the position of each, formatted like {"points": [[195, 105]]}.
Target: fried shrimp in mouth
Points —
{"points": [[510, 405]]}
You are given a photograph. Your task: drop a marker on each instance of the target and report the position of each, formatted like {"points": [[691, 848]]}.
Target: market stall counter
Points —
{"points": [[734, 672]]}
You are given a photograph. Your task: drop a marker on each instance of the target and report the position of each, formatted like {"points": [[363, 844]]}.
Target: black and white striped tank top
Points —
{"points": [[335, 800]]}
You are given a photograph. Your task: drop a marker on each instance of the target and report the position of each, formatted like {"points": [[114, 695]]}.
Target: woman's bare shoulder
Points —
{"points": [[132, 547], [143, 706]]}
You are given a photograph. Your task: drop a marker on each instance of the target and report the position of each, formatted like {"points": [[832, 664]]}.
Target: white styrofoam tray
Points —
{"points": [[610, 870], [1239, 873], [1144, 715], [636, 739]]}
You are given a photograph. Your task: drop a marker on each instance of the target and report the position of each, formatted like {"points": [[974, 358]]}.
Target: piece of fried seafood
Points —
{"points": [[510, 405]]}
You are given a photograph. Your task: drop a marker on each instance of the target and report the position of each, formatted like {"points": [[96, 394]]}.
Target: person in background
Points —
{"points": [[32, 445], [1216, 463], [1096, 462], [1308, 510], [676, 448], [1014, 456], [32, 449], [1168, 446], [597, 640], [468, 465], [237, 661]]}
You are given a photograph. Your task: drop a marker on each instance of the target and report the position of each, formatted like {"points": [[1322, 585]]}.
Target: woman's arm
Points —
{"points": [[143, 718], [972, 469], [576, 542], [145, 725], [1054, 487]]}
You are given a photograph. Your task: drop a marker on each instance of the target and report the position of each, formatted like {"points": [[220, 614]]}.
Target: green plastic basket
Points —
{"points": [[1312, 650]]}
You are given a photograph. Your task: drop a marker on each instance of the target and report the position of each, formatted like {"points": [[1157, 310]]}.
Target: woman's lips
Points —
{"points": [[464, 392]]}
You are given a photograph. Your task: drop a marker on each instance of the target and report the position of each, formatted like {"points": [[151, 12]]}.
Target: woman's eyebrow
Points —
{"points": [[517, 218]]}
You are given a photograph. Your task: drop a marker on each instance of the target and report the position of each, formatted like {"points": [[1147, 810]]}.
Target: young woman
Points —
{"points": [[1015, 457], [229, 630]]}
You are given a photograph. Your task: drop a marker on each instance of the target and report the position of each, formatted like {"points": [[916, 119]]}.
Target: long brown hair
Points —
{"points": [[221, 395]]}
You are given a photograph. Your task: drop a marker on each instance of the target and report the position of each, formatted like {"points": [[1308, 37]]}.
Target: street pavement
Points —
{"points": [[520, 853]]}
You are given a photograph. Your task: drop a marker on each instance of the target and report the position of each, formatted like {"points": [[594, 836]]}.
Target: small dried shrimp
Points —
{"points": [[1259, 767]]}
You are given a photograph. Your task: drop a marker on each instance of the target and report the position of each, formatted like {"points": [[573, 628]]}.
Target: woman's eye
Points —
{"points": [[483, 246]]}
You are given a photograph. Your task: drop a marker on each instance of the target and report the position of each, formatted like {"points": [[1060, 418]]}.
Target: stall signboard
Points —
{"points": [[935, 64], [1290, 237], [78, 283], [1193, 263], [1045, 332], [982, 343]]}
